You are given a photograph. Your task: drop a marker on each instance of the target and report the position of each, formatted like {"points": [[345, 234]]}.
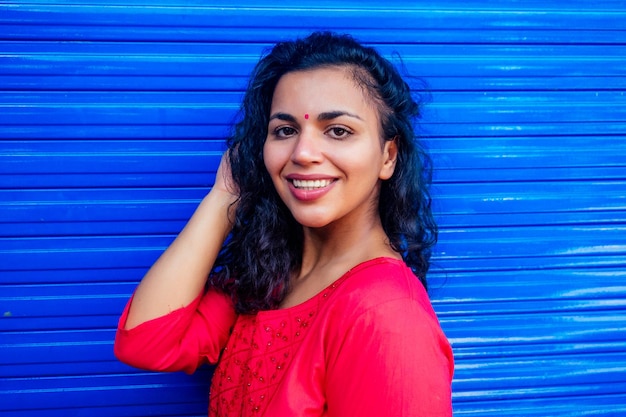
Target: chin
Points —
{"points": [[311, 221], [312, 224]]}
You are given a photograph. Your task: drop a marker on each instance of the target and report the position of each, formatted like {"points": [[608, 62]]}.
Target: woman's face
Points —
{"points": [[324, 150]]}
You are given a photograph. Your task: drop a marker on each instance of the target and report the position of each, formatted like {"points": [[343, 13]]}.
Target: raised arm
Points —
{"points": [[180, 273]]}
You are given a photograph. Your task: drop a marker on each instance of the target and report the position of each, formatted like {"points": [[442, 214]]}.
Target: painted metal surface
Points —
{"points": [[112, 117]]}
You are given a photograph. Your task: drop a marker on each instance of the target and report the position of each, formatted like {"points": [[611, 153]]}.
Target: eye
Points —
{"points": [[338, 132], [284, 131]]}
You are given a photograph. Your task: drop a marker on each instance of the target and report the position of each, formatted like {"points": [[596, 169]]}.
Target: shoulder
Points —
{"points": [[381, 314], [374, 283]]}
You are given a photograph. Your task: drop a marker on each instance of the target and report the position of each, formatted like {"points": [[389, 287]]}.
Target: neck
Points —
{"points": [[350, 245]]}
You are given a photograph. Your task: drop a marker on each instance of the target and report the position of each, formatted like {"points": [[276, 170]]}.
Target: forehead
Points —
{"points": [[324, 86]]}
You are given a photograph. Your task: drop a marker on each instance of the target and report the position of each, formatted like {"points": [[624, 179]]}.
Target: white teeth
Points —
{"points": [[311, 184]]}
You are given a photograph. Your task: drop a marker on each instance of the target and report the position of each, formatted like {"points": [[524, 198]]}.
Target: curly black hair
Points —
{"points": [[264, 248]]}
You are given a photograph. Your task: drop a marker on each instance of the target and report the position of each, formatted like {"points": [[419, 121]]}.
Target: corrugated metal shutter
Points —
{"points": [[111, 124]]}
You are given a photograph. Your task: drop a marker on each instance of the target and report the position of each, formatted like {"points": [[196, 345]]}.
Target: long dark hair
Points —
{"points": [[264, 248]]}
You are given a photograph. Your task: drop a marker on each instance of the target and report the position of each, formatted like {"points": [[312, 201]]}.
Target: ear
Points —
{"points": [[390, 156]]}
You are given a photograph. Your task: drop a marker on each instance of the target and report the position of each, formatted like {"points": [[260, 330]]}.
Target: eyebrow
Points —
{"points": [[335, 114], [283, 116], [330, 115]]}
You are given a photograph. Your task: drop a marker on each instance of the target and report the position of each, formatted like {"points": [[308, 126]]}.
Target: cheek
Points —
{"points": [[366, 162], [271, 159], [268, 157]]}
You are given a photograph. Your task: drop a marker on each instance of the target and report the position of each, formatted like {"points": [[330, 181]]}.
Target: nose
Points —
{"points": [[307, 148]]}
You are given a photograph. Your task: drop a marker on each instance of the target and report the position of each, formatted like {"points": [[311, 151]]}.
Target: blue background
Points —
{"points": [[112, 120]]}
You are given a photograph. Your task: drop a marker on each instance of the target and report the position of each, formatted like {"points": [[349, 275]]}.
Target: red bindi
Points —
{"points": [[306, 115]]}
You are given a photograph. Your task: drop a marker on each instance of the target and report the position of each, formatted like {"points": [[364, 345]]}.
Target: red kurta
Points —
{"points": [[369, 345]]}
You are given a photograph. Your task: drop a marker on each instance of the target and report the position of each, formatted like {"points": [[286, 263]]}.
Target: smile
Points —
{"points": [[310, 184]]}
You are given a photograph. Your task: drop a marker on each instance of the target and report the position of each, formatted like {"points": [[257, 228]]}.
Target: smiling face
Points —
{"points": [[324, 150]]}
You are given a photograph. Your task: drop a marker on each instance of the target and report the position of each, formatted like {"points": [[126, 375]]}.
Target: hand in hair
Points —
{"points": [[223, 178]]}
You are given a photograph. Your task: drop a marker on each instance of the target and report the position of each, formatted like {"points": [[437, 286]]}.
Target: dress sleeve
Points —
{"points": [[181, 340], [393, 360]]}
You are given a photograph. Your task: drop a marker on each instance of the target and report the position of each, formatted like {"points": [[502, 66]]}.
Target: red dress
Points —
{"points": [[368, 345]]}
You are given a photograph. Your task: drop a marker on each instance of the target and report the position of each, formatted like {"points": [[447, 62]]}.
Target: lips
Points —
{"points": [[309, 189]]}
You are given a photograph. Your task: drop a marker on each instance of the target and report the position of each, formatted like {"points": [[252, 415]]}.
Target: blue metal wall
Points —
{"points": [[111, 124]]}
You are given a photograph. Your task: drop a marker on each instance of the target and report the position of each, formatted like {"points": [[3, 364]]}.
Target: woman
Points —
{"points": [[311, 239]]}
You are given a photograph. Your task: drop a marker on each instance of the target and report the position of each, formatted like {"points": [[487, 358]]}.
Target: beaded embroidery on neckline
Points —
{"points": [[257, 354]]}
